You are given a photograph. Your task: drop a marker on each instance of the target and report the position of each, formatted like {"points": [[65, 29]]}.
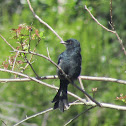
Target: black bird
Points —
{"points": [[70, 63]]}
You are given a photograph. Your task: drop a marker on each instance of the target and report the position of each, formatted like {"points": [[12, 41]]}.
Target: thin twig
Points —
{"points": [[121, 43], [31, 67], [7, 42], [41, 21], [119, 39], [26, 59], [111, 17], [29, 49], [29, 40], [112, 26], [3, 122], [92, 99], [45, 119], [27, 118], [48, 53], [82, 86], [71, 120], [15, 61], [17, 55], [29, 60], [98, 21]]}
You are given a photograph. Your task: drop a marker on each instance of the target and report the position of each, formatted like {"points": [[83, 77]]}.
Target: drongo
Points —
{"points": [[70, 63]]}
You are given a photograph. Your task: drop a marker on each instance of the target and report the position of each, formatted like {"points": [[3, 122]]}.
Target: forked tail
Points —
{"points": [[60, 99]]}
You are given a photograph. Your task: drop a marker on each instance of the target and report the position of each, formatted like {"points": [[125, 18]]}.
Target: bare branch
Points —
{"points": [[7, 42], [111, 20], [121, 43], [15, 61], [43, 83], [62, 73], [112, 26], [112, 106], [26, 76], [45, 119], [71, 120], [4, 123], [83, 101], [29, 61], [48, 53], [17, 55], [119, 39], [45, 57], [98, 21], [105, 105], [82, 86], [12, 119], [29, 40], [90, 78], [40, 113], [31, 67], [41, 21], [103, 79], [27, 79], [83, 91]]}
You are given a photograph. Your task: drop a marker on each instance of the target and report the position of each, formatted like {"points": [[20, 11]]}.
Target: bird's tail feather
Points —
{"points": [[60, 99]]}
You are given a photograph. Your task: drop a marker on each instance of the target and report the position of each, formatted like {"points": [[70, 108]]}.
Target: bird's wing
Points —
{"points": [[60, 58]]}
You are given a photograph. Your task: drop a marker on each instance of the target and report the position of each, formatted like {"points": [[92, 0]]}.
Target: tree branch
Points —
{"points": [[107, 79], [43, 83], [15, 60], [71, 120], [41, 21], [83, 101], [104, 105], [27, 118], [7, 42], [111, 17], [82, 86], [90, 78], [84, 92], [47, 58], [98, 21], [118, 37]]}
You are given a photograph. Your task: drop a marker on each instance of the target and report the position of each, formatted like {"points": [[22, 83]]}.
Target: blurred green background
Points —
{"points": [[101, 52]]}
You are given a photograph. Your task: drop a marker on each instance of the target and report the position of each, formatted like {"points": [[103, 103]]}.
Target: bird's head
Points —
{"points": [[71, 43]]}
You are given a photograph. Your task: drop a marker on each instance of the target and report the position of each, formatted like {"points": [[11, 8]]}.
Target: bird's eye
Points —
{"points": [[69, 42]]}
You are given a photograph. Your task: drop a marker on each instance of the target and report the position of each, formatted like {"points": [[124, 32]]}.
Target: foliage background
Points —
{"points": [[101, 52]]}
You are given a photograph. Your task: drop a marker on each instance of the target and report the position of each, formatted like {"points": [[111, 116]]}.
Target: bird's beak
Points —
{"points": [[63, 42]]}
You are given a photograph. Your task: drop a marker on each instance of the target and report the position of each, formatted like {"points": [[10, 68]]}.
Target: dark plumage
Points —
{"points": [[70, 62]]}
